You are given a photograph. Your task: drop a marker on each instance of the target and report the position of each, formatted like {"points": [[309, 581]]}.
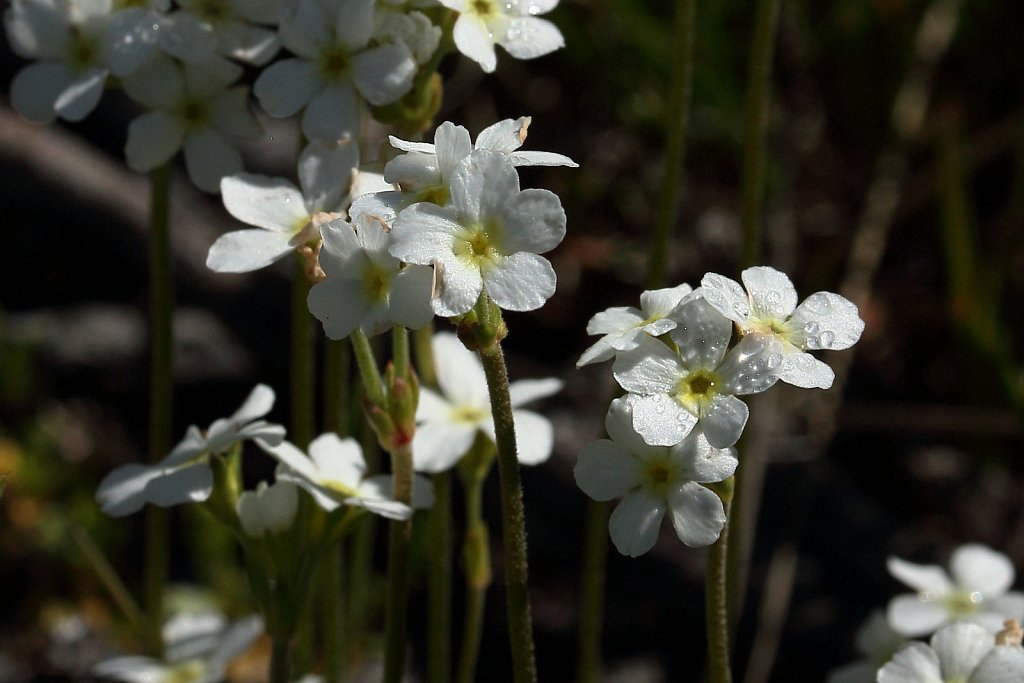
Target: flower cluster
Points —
{"points": [[683, 371]]}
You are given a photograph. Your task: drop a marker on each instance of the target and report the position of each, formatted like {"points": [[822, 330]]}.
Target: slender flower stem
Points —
{"points": [[337, 387], [161, 398], [716, 599], [332, 570], [367, 364], [301, 369], [592, 582], [109, 578], [677, 122], [477, 563], [279, 664], [399, 535], [513, 520], [439, 606]]}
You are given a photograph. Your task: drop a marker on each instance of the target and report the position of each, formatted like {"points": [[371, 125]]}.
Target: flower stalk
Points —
{"points": [[716, 595]]}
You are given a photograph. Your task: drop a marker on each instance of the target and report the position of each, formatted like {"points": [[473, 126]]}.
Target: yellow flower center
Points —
{"points": [[696, 391], [435, 194], [194, 114], [962, 604], [334, 64], [213, 11], [478, 246], [376, 283], [468, 414], [659, 473], [186, 672]]}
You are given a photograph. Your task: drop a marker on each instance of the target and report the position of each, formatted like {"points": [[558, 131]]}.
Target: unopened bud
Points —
{"points": [[1012, 633]]}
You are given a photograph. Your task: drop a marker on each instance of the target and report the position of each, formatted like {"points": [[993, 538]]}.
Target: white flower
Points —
{"points": [[282, 213], [335, 64], [447, 424], [78, 44], [184, 474], [268, 509], [426, 169], [654, 479], [366, 287], [203, 28], [876, 642], [823, 321], [198, 648], [194, 108], [958, 653], [978, 592], [412, 28], [510, 23], [489, 237], [700, 382], [334, 473], [624, 326]]}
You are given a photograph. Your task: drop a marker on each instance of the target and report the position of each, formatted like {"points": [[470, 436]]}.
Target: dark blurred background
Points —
{"points": [[911, 207]]}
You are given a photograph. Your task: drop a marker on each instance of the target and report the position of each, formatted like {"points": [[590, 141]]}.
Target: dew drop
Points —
{"points": [[774, 361], [826, 339]]}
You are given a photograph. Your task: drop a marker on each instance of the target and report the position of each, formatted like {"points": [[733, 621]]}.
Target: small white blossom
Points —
{"points": [[700, 382], [447, 423], [823, 321], [482, 24], [958, 653], [654, 480], [184, 475], [197, 649], [489, 237], [412, 28], [334, 473], [624, 326], [282, 214], [978, 591], [335, 65], [876, 642], [365, 286], [201, 29], [195, 108], [268, 508]]}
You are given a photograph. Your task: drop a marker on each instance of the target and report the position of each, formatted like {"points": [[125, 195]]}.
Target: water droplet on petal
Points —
{"points": [[826, 340]]}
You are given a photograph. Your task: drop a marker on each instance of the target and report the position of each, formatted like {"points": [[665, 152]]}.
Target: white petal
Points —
{"points": [[534, 437], [804, 370], [529, 37], [752, 366], [159, 84], [286, 86], [534, 221], [153, 138], [192, 483], [650, 368], [294, 459], [332, 114], [338, 304], [504, 136], [661, 302], [409, 300], [247, 43], [129, 39], [827, 321], [923, 578], [431, 407], [243, 251], [412, 146], [193, 443], [338, 460], [452, 144], [702, 334], [978, 568], [307, 31], [1003, 664], [459, 372], [525, 7], [122, 492], [521, 282], [423, 233], [618, 422], [354, 24], [604, 471], [188, 38], [635, 522], [36, 88], [772, 295], [437, 446], [209, 157], [697, 514], [723, 421], [38, 29], [523, 391], [699, 461], [618, 319], [81, 96], [1007, 606], [132, 669], [727, 296], [528, 158], [325, 173], [598, 352], [269, 203], [239, 637], [481, 184], [258, 403], [474, 40], [384, 73], [458, 287], [414, 171], [660, 420], [960, 648], [915, 663], [912, 617]]}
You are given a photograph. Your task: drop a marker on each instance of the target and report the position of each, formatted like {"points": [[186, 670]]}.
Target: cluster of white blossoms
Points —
{"points": [[333, 473], [970, 612], [683, 371], [182, 62]]}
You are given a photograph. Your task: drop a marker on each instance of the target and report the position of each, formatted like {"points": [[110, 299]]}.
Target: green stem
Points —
{"points": [[592, 582], [279, 664], [513, 518], [423, 352], [756, 118], [334, 642], [301, 370], [360, 564], [161, 395], [109, 578], [399, 536], [337, 387], [675, 147], [439, 656], [477, 562], [716, 598], [369, 374]]}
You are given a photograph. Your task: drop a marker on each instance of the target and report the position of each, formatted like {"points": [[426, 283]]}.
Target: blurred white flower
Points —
{"points": [[268, 508], [410, 27], [489, 237], [624, 326], [877, 643], [365, 286], [447, 423], [700, 382], [334, 473], [958, 653], [482, 24], [335, 65], [197, 649], [654, 479], [282, 213], [823, 321], [193, 107], [202, 29], [979, 591], [184, 475]]}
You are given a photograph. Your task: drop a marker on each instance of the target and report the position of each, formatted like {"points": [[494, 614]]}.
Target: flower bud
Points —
{"points": [[268, 508]]}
